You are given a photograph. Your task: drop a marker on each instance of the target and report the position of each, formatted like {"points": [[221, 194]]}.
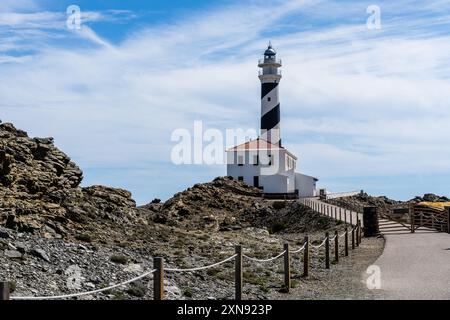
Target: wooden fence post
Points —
{"points": [[357, 233], [238, 278], [361, 230], [353, 238], [336, 246], [358, 230], [4, 290], [306, 258], [158, 279], [340, 214], [346, 241], [287, 267], [327, 250], [411, 213]]}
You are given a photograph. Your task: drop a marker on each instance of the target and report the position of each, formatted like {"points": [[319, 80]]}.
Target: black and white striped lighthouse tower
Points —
{"points": [[270, 77]]}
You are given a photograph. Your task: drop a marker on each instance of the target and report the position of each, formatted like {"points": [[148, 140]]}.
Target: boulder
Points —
{"points": [[39, 253], [13, 254]]}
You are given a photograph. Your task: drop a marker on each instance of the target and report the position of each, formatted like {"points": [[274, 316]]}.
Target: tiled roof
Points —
{"points": [[258, 144]]}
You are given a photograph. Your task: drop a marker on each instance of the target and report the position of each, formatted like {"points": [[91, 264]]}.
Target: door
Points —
{"points": [[256, 181]]}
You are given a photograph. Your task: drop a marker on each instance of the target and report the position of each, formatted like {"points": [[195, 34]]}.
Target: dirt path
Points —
{"points": [[345, 280]]}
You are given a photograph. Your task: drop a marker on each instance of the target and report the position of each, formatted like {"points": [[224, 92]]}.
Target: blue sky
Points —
{"points": [[363, 109]]}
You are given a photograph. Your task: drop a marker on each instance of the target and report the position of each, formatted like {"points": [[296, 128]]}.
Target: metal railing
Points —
{"points": [[333, 211], [270, 61], [277, 73]]}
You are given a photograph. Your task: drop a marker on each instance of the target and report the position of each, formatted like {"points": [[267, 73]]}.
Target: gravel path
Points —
{"points": [[346, 280], [416, 266]]}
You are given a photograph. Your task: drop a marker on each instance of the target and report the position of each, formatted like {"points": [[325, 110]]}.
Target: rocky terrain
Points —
{"points": [[358, 202], [57, 237]]}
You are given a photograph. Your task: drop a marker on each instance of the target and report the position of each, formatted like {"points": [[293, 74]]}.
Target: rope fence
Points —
{"points": [[74, 295], [158, 270], [264, 260], [204, 267], [320, 245]]}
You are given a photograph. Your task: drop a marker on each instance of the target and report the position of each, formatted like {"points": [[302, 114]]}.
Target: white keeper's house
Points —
{"points": [[264, 162]]}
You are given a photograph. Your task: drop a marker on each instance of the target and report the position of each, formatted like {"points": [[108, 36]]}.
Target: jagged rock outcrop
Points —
{"points": [[430, 197], [215, 205], [359, 201], [226, 204], [40, 188]]}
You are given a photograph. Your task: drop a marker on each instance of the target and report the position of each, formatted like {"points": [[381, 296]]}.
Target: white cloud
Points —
{"points": [[15, 5], [353, 102]]}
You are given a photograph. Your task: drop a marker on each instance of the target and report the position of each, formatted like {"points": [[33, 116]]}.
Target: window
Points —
{"points": [[289, 163], [240, 161], [255, 160], [270, 159], [240, 178], [269, 99]]}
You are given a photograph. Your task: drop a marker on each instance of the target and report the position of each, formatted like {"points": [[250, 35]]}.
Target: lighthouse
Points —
{"points": [[264, 163], [270, 77]]}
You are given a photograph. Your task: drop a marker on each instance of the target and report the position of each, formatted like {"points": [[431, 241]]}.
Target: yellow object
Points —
{"points": [[437, 205]]}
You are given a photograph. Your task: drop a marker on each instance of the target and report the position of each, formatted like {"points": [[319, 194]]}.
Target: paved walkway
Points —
{"points": [[416, 266], [412, 265]]}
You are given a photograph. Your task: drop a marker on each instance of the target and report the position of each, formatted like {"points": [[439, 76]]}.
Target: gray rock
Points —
{"points": [[134, 268], [13, 254], [39, 253], [21, 247], [173, 292]]}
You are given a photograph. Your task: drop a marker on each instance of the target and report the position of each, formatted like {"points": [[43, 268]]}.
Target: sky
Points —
{"points": [[363, 109]]}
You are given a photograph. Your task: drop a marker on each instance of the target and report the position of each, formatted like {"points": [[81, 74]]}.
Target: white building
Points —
{"points": [[264, 162]]}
